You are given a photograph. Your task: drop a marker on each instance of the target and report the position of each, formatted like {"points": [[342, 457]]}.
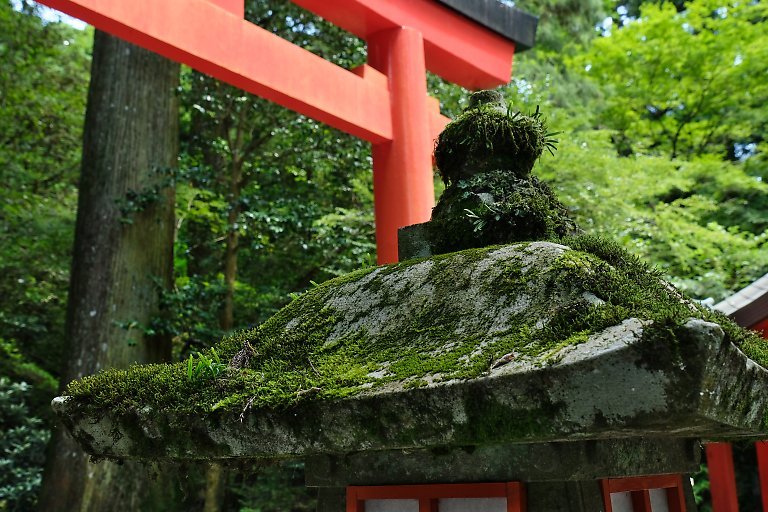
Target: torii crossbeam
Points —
{"points": [[469, 42]]}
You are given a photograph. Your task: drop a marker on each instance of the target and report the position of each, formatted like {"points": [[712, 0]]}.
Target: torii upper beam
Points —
{"points": [[384, 102]]}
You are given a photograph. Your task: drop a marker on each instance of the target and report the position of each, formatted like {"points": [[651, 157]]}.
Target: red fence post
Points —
{"points": [[402, 169], [722, 477], [762, 468]]}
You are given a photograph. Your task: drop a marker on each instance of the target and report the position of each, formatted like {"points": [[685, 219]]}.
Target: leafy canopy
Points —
{"points": [[686, 83]]}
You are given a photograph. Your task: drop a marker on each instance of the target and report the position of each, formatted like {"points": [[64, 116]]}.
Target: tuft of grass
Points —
{"points": [[207, 367]]}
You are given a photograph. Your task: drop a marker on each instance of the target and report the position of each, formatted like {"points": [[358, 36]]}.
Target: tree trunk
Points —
{"points": [[122, 258]]}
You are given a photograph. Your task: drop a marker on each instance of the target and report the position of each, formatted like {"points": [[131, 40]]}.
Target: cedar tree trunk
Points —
{"points": [[122, 258]]}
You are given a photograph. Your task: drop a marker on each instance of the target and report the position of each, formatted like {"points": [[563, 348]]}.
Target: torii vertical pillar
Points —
{"points": [[722, 477], [402, 168]]}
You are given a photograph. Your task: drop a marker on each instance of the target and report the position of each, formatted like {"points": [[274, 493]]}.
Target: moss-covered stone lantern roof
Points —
{"points": [[559, 337]]}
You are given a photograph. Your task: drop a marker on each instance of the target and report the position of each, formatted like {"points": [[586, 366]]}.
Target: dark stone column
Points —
{"points": [[579, 496], [331, 499]]}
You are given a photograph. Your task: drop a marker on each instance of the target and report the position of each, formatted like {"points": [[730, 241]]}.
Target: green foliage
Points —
{"points": [[701, 492], [43, 76], [685, 84], [263, 185], [701, 222], [135, 201], [42, 386], [563, 22], [190, 325], [43, 79], [207, 367], [22, 448]]}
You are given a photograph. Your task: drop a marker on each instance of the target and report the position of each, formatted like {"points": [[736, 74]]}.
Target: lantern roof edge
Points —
{"points": [[508, 21]]}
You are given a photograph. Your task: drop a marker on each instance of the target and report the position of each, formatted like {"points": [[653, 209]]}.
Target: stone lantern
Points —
{"points": [[514, 363]]}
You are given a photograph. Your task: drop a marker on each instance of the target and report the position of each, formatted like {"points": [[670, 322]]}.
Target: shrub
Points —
{"points": [[22, 448]]}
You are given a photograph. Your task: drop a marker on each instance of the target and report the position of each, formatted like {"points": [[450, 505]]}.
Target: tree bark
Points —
{"points": [[122, 258]]}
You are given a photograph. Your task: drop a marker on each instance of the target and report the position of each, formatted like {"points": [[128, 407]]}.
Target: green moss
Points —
{"points": [[485, 138], [287, 366], [487, 418], [485, 157], [641, 282], [494, 208]]}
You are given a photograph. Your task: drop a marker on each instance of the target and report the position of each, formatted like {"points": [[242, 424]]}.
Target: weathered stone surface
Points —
{"points": [[481, 347], [383, 303], [606, 387], [579, 496], [530, 462], [331, 499], [413, 242]]}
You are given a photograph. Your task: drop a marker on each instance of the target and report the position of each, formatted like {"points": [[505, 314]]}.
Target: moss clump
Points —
{"points": [[485, 157], [676, 309], [496, 208], [485, 137], [296, 357]]}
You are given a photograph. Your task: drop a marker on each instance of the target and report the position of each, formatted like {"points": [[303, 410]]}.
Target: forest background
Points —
{"points": [[663, 109]]}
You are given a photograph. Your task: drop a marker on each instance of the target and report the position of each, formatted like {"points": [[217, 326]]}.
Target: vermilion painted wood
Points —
{"points": [[639, 487], [762, 446], [456, 48], [236, 7], [639, 483], [676, 498], [403, 187], [354, 504], [606, 496], [722, 477], [517, 497], [762, 327], [414, 492], [223, 45], [641, 501], [437, 121], [389, 109], [762, 467]]}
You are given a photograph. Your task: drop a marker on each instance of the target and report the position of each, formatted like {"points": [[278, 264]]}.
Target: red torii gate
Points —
{"points": [[384, 102], [749, 308]]}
